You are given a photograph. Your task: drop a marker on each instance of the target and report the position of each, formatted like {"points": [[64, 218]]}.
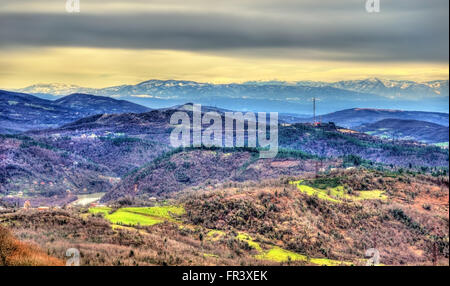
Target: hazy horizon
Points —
{"points": [[231, 82]]}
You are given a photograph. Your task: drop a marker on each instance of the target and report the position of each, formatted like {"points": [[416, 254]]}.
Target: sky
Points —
{"points": [[112, 42]]}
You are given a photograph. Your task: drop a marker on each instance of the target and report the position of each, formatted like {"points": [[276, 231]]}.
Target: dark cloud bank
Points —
{"points": [[403, 31]]}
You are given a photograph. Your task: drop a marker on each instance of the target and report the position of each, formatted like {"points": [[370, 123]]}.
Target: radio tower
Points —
{"points": [[314, 110]]}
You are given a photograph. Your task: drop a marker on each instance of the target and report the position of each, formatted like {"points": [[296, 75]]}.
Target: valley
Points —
{"points": [[272, 222], [111, 186]]}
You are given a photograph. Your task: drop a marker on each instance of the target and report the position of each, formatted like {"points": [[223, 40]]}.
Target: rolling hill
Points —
{"points": [[123, 142], [21, 112], [417, 130], [135, 146], [16, 253], [39, 172], [354, 117], [304, 148], [344, 142], [179, 169], [87, 104], [327, 220]]}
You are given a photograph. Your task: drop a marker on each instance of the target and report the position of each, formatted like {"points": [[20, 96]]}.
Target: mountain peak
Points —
{"points": [[169, 82], [373, 79]]}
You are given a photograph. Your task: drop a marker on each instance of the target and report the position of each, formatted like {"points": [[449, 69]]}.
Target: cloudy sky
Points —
{"points": [[113, 42]]}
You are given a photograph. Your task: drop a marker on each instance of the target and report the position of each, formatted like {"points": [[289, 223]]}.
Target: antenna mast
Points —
{"points": [[314, 109]]}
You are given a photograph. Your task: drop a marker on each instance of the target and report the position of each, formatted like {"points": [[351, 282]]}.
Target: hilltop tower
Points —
{"points": [[314, 110]]}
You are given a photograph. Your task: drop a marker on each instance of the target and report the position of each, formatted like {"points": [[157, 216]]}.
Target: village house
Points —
{"points": [[27, 205]]}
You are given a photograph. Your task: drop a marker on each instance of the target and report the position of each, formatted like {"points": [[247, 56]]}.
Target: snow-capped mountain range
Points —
{"points": [[271, 95], [390, 88], [370, 85]]}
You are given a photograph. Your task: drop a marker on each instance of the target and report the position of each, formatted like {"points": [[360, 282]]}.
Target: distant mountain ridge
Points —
{"points": [[354, 117], [155, 126], [390, 88], [93, 104], [286, 97], [407, 129], [121, 144], [369, 85], [21, 112]]}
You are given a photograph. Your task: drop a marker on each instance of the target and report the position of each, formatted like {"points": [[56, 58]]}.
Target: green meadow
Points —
{"points": [[215, 234], [281, 255], [144, 216], [103, 210], [247, 238], [278, 254], [338, 194]]}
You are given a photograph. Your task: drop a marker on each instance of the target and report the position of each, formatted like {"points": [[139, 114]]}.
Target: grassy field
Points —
{"points": [[338, 194], [103, 210], [214, 235], [247, 238], [278, 254], [281, 255], [128, 218], [139, 216], [160, 212]]}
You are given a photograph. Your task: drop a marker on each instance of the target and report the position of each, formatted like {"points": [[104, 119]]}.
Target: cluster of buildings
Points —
{"points": [[94, 205], [27, 206]]}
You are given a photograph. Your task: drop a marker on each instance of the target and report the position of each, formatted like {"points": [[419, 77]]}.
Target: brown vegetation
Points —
{"points": [[16, 253], [273, 212], [281, 215]]}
